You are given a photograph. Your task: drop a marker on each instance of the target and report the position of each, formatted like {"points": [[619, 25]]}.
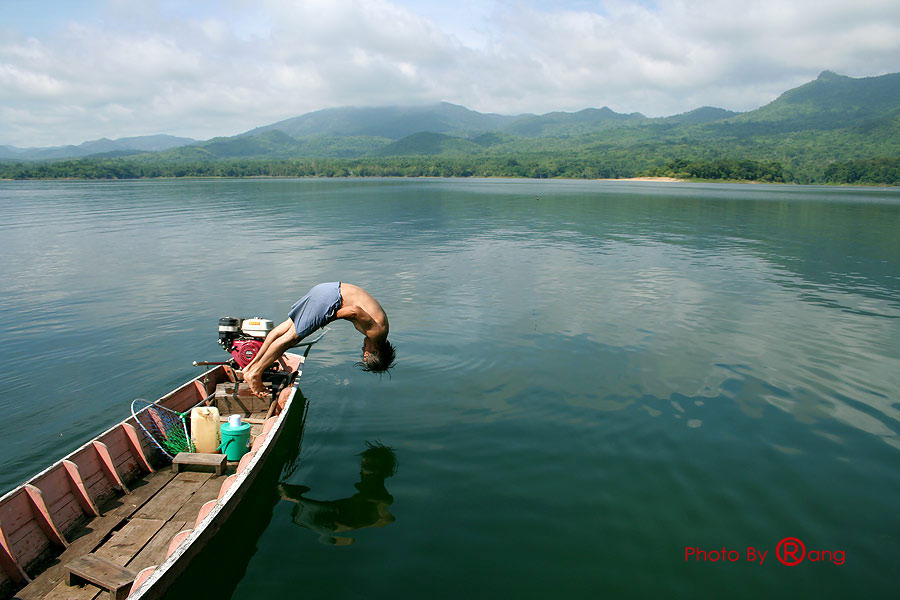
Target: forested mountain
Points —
{"points": [[392, 123], [834, 128], [831, 118], [830, 102], [429, 144], [558, 124], [145, 143], [706, 114]]}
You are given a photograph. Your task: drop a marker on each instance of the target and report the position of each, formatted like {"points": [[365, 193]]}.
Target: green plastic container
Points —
{"points": [[235, 440]]}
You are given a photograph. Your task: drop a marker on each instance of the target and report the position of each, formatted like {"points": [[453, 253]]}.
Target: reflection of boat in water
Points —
{"points": [[114, 513], [367, 508]]}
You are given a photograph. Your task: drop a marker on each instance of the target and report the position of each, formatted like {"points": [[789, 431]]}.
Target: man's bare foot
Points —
{"points": [[254, 380]]}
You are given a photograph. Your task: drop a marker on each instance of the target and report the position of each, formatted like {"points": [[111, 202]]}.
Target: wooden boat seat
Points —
{"points": [[234, 398], [217, 461], [102, 573]]}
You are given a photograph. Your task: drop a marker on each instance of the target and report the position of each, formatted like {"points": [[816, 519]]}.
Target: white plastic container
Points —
{"points": [[205, 433]]}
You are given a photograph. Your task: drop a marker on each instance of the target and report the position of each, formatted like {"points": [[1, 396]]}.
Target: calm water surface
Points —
{"points": [[591, 377]]}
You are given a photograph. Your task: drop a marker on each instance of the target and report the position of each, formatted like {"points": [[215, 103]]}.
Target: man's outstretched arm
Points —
{"points": [[363, 322]]}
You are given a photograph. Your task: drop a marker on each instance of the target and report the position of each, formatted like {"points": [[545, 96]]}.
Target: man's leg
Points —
{"points": [[268, 355], [273, 335]]}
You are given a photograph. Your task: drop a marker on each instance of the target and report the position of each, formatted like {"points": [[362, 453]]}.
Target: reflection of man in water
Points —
{"points": [[368, 508]]}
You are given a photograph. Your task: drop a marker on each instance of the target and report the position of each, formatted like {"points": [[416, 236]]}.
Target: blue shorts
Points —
{"points": [[316, 309]]}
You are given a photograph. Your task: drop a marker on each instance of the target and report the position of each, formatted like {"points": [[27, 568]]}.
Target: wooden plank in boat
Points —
{"points": [[209, 491], [155, 550], [128, 541], [244, 402], [92, 535], [103, 573], [199, 459], [121, 548], [152, 483], [98, 486], [57, 495], [29, 542], [66, 592], [167, 502], [87, 539]]}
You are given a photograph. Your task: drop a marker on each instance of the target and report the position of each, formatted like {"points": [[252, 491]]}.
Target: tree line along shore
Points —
{"points": [[869, 171]]}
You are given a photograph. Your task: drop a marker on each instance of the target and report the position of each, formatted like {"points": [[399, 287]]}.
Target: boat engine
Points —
{"points": [[242, 338]]}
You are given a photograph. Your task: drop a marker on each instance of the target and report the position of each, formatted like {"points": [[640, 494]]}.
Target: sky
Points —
{"points": [[73, 70]]}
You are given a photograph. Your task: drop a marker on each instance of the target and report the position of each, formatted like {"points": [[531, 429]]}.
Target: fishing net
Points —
{"points": [[165, 428]]}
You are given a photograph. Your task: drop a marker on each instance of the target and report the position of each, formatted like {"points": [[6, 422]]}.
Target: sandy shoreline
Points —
{"points": [[667, 179]]}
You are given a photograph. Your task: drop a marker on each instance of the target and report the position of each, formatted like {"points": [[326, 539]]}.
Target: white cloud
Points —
{"points": [[205, 69]]}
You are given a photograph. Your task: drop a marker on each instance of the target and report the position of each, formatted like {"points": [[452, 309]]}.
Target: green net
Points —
{"points": [[165, 428]]}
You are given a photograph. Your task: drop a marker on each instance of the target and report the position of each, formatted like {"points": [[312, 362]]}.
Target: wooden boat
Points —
{"points": [[116, 513]]}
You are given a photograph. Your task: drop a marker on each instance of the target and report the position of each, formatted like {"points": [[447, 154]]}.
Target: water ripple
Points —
{"points": [[602, 377]]}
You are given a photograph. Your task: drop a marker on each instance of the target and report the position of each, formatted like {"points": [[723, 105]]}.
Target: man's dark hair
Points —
{"points": [[379, 459], [381, 360]]}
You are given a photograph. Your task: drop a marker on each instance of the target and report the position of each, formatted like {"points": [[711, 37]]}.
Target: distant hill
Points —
{"points": [[393, 122], [829, 102], [396, 123], [429, 144], [276, 144], [121, 146], [706, 114], [566, 124], [798, 136]]}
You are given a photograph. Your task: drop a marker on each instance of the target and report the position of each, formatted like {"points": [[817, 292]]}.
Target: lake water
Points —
{"points": [[593, 378]]}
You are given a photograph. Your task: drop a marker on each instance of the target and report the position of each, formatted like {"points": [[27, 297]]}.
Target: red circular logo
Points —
{"points": [[788, 549]]}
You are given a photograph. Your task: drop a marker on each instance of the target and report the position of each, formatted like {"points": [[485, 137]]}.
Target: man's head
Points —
{"points": [[377, 357], [378, 460]]}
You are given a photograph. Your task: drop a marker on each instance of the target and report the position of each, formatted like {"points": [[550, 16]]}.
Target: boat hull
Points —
{"points": [[43, 521], [161, 578]]}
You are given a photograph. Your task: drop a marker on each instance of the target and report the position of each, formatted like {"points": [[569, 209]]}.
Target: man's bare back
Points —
{"points": [[353, 296], [353, 304]]}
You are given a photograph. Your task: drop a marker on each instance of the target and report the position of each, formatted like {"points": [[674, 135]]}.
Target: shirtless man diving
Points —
{"points": [[322, 305]]}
